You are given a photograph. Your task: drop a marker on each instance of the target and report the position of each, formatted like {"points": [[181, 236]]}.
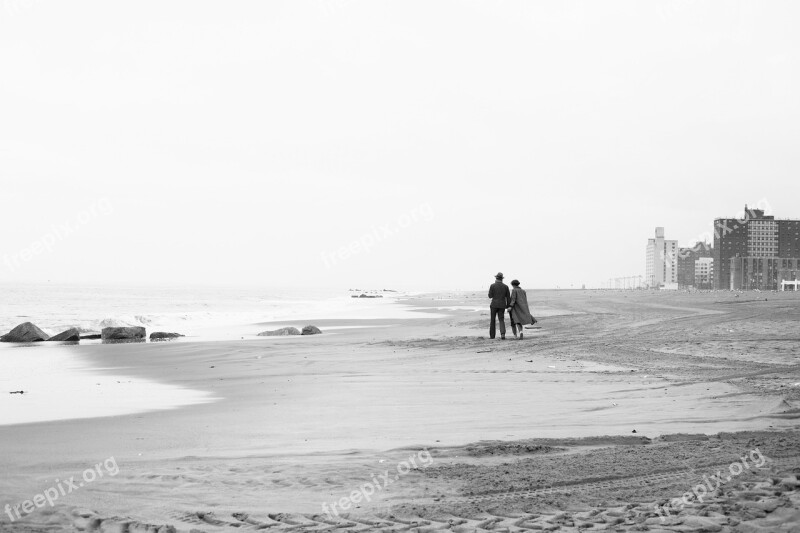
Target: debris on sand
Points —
{"points": [[509, 448]]}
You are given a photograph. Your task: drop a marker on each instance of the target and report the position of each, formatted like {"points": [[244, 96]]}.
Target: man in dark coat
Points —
{"points": [[501, 298]]}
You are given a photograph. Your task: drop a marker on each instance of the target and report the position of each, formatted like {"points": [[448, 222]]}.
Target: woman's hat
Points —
{"points": [[515, 282]]}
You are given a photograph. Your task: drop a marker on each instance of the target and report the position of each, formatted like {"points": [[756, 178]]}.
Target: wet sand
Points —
{"points": [[303, 421]]}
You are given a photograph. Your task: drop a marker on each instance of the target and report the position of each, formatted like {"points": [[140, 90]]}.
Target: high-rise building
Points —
{"points": [[730, 240], [755, 251], [661, 266]]}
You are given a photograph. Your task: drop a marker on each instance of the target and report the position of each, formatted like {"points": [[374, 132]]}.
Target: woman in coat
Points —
{"points": [[518, 309]]}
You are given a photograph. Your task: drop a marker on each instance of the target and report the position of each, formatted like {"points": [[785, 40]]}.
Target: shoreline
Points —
{"points": [[357, 331], [328, 409]]}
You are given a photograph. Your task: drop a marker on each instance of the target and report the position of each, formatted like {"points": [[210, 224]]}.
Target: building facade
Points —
{"points": [[730, 240], [686, 263], [755, 251], [762, 273], [661, 262], [704, 273]]}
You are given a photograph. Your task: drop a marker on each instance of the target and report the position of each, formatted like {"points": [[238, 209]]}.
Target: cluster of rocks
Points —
{"points": [[308, 330], [362, 295], [29, 332]]}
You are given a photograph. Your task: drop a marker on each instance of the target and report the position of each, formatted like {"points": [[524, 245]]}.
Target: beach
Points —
{"points": [[616, 402], [254, 252]]}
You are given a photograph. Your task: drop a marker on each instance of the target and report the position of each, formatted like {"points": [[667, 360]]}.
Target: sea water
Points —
{"points": [[57, 384], [193, 311]]}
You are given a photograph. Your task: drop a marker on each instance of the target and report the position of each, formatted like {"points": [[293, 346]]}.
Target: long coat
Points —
{"points": [[520, 313]]}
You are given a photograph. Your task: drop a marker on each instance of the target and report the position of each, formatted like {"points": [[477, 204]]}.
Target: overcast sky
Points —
{"points": [[248, 142]]}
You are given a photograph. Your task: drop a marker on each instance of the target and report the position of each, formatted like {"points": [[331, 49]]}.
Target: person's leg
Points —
{"points": [[520, 331], [513, 325], [501, 313], [492, 324]]}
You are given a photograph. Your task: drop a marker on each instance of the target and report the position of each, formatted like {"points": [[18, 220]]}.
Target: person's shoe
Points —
{"points": [[520, 335], [503, 338]]}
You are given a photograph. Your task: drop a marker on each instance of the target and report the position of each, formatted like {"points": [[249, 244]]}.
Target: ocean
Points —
{"points": [[200, 313], [44, 371]]}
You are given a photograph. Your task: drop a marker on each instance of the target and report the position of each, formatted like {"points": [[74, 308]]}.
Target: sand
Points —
{"points": [[515, 429]]}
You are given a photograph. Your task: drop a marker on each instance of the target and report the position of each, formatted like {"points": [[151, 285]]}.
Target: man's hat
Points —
{"points": [[499, 275]]}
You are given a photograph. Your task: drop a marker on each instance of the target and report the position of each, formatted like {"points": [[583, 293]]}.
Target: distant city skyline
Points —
{"points": [[754, 250]]}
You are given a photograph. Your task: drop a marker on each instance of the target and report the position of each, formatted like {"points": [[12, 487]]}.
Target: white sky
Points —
{"points": [[245, 142]]}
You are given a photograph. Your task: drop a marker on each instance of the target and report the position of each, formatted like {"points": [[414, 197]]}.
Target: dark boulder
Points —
{"points": [[92, 336], [163, 335], [25, 332], [280, 332], [72, 334], [130, 333], [311, 330]]}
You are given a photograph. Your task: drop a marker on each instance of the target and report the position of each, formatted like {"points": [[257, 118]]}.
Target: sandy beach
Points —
{"points": [[252, 251], [617, 404]]}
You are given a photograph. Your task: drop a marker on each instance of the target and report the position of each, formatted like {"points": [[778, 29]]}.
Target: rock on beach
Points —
{"points": [[123, 333], [25, 332], [72, 334], [280, 332], [163, 335]]}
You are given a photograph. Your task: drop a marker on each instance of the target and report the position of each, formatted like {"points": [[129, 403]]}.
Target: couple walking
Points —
{"points": [[516, 301]]}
